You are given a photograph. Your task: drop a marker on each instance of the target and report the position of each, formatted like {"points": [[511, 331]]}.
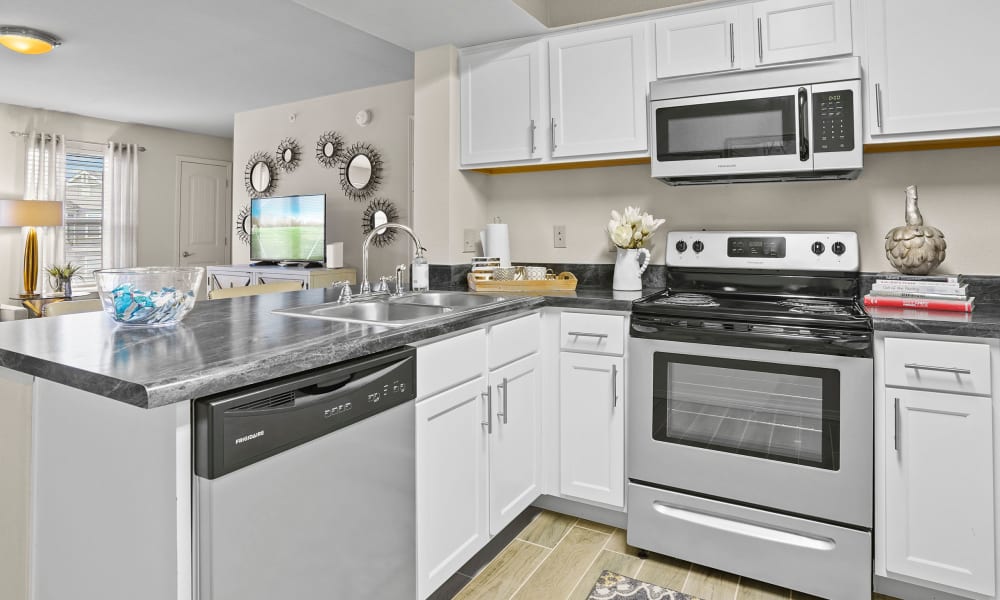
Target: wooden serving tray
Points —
{"points": [[563, 282]]}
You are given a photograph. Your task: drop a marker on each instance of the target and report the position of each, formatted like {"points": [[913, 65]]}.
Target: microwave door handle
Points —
{"points": [[803, 124]]}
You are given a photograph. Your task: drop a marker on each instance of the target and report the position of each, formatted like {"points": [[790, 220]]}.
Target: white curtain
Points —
{"points": [[45, 179], [121, 200]]}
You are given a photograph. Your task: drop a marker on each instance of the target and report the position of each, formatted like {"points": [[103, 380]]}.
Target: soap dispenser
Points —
{"points": [[419, 272]]}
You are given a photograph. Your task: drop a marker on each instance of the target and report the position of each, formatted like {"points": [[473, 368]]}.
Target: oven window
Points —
{"points": [[786, 413], [739, 128]]}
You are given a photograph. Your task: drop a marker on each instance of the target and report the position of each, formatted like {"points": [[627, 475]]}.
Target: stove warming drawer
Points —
{"points": [[818, 558]]}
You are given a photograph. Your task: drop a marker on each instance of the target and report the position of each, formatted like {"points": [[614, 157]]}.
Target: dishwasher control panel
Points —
{"points": [[236, 429]]}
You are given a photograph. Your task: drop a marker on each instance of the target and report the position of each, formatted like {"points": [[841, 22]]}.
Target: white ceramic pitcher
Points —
{"points": [[628, 270]]}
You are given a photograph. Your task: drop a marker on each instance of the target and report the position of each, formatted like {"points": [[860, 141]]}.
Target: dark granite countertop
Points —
{"points": [[227, 344], [983, 321]]}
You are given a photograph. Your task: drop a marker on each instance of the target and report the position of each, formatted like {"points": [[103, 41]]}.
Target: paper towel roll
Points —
{"points": [[496, 242]]}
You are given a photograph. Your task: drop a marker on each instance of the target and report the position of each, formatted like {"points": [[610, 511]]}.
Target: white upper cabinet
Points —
{"points": [[926, 64], [597, 86], [794, 30], [501, 103], [701, 42]]}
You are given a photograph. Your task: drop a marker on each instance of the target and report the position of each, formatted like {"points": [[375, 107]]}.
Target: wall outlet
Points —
{"points": [[471, 238], [558, 236]]}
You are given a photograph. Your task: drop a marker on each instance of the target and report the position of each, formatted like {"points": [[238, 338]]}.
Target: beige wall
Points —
{"points": [[446, 201], [157, 232], [959, 194], [263, 129]]}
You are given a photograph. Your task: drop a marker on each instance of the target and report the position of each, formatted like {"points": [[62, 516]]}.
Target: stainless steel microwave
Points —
{"points": [[789, 123]]}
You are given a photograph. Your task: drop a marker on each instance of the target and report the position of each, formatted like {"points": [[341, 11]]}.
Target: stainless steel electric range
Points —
{"points": [[751, 410]]}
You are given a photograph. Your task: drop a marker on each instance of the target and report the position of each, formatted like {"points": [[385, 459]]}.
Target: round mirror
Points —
{"points": [[329, 149], [379, 212], [287, 155], [243, 225], [359, 172], [260, 177]]}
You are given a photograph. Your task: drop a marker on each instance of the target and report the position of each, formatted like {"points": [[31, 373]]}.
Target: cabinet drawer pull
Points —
{"points": [[955, 370], [895, 426], [614, 386], [488, 423], [732, 46], [503, 386], [760, 38], [599, 336]]}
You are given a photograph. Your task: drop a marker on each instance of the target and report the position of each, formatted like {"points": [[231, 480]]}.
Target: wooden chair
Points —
{"points": [[68, 307], [253, 290]]}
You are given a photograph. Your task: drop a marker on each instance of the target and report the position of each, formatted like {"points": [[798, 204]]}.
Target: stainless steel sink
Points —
{"points": [[395, 311], [457, 300]]}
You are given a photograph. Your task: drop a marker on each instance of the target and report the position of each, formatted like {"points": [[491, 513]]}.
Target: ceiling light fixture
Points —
{"points": [[25, 40]]}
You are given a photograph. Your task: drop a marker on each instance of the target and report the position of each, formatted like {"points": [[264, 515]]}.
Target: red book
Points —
{"points": [[907, 302]]}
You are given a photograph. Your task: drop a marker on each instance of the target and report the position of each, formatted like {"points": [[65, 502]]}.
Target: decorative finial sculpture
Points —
{"points": [[915, 248]]}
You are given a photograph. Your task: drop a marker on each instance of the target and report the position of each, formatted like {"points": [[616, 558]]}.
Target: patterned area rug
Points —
{"points": [[619, 587]]}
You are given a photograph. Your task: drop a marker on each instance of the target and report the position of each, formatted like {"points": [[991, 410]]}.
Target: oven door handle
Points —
{"points": [[737, 527]]}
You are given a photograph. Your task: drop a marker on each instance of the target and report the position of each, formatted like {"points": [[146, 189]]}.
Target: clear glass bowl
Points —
{"points": [[148, 295]]}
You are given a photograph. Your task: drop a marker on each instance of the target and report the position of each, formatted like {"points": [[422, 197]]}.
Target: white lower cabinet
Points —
{"points": [[939, 523], [592, 427], [452, 465]]}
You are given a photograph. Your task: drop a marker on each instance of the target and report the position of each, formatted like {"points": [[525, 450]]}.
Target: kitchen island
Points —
{"points": [[96, 502]]}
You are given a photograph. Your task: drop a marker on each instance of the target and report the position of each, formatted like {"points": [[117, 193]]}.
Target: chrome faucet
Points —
{"points": [[345, 291], [366, 286]]}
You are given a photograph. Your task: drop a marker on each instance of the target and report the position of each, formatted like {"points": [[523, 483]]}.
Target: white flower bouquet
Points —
{"points": [[631, 229]]}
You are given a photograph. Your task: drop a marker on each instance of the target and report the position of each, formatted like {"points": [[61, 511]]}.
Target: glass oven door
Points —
{"points": [[783, 413], [760, 131]]}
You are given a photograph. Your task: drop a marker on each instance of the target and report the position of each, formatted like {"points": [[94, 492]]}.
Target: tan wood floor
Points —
{"points": [[560, 557]]}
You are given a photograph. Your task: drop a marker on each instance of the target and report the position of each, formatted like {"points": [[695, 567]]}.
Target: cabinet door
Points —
{"points": [[515, 444], [597, 86], [592, 428], [452, 445], [920, 73], [939, 488], [228, 279], [791, 30], [701, 42], [500, 104], [263, 278]]}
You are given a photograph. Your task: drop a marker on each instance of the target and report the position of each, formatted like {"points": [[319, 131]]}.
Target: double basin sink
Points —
{"points": [[394, 311]]}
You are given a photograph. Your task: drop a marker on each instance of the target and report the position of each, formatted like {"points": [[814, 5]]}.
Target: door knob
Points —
{"points": [[186, 254]]}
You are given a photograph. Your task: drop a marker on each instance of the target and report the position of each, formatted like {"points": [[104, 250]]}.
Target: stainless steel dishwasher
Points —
{"points": [[304, 487]]}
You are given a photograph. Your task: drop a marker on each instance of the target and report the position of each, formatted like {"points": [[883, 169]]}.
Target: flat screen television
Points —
{"points": [[288, 230]]}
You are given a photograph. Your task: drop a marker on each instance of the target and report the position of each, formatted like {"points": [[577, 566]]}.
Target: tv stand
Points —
{"points": [[227, 276]]}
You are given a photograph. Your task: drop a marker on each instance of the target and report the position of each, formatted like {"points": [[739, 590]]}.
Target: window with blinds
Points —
{"points": [[83, 210]]}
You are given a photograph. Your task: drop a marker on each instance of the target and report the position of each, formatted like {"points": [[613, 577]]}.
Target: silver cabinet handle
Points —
{"points": [[531, 129], [878, 105], [186, 254], [552, 132], [503, 386], [599, 336], [732, 46], [895, 427], [955, 370], [760, 38], [614, 386], [488, 423]]}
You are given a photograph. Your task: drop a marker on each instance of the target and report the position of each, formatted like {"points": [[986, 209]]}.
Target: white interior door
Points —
{"points": [[204, 200]]}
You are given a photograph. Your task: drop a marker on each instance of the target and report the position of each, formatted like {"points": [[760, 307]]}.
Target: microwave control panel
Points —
{"points": [[833, 121]]}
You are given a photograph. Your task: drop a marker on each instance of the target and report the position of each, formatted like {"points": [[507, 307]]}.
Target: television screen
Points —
{"points": [[290, 228]]}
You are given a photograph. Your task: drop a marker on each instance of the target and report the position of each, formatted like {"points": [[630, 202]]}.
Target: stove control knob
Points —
{"points": [[839, 248], [681, 246], [697, 246], [818, 248]]}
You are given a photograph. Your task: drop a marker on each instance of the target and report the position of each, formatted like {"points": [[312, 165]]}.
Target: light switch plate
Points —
{"points": [[471, 238], [558, 236]]}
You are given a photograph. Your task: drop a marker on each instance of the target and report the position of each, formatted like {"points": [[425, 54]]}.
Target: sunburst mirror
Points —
{"points": [[329, 149], [379, 212], [260, 175], [243, 225], [288, 155], [360, 171]]}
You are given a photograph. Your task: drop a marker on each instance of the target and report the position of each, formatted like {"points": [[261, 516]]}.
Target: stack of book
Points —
{"points": [[931, 292]]}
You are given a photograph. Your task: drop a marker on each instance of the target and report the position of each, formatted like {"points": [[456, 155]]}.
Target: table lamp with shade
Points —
{"points": [[30, 214]]}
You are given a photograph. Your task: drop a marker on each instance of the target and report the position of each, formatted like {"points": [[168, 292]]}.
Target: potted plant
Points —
{"points": [[629, 231], [62, 277]]}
